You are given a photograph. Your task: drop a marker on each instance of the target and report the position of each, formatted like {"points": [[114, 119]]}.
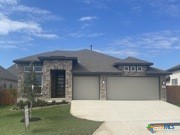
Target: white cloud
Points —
{"points": [[144, 45], [7, 26], [87, 18], [121, 53], [28, 23], [84, 34], [8, 2], [95, 34], [47, 36], [169, 39]]}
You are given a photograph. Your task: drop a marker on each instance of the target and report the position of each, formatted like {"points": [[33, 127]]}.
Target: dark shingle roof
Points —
{"points": [[133, 61], [13, 70], [155, 71], [5, 74], [175, 68], [93, 62], [88, 61]]}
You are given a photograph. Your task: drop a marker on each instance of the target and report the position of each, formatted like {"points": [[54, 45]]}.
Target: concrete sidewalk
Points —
{"points": [[127, 117]]}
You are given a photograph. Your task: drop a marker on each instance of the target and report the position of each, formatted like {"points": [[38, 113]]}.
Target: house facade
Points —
{"points": [[174, 78], [89, 75]]}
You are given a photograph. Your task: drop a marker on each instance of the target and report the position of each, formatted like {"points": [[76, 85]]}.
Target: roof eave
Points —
{"points": [[134, 64], [96, 73], [26, 61]]}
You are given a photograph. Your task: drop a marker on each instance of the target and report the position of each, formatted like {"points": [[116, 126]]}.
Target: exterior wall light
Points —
{"points": [[103, 82]]}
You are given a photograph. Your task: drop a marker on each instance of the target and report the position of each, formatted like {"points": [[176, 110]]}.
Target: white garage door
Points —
{"points": [[86, 88], [133, 88]]}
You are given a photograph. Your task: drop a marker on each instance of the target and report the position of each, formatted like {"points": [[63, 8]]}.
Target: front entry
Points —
{"points": [[57, 83]]}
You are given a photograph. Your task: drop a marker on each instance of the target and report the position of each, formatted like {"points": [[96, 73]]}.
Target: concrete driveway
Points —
{"points": [[127, 117]]}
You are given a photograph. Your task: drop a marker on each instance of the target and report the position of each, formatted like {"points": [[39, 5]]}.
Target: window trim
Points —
{"points": [[174, 79], [126, 67], [132, 67], [37, 71], [25, 70], [138, 69]]}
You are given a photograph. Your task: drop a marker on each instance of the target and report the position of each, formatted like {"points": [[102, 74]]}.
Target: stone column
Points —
{"points": [[103, 87], [163, 92], [20, 81]]}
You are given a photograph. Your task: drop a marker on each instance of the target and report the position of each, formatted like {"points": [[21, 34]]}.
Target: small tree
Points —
{"points": [[30, 87]]}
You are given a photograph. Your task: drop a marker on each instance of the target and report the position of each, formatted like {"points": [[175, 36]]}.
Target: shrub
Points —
{"points": [[39, 103], [20, 104], [53, 102], [64, 102]]}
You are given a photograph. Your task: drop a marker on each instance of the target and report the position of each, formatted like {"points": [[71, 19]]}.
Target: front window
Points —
{"points": [[27, 68], [139, 68], [133, 68], [39, 79], [37, 68], [175, 81], [126, 68]]}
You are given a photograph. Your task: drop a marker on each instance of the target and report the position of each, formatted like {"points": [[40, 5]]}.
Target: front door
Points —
{"points": [[58, 83]]}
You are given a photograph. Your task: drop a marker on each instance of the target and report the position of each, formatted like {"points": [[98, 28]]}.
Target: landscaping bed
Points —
{"points": [[55, 120]]}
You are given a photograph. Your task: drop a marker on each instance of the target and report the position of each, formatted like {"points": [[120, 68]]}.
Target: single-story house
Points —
{"points": [[7, 80], [174, 78], [90, 75]]}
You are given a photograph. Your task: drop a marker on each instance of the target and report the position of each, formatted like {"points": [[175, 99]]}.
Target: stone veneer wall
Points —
{"points": [[48, 65], [103, 87], [163, 91], [20, 80]]}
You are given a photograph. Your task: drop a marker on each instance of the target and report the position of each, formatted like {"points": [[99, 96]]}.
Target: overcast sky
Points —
{"points": [[145, 29]]}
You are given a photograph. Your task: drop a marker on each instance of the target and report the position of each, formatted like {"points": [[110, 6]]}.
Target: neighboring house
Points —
{"points": [[174, 78], [7, 80], [13, 70], [89, 75]]}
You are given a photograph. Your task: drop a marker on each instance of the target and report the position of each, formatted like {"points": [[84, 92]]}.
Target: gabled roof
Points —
{"points": [[5, 74], [133, 61], [175, 68], [13, 70]]}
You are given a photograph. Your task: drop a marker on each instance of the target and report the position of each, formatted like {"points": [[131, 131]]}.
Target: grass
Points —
{"points": [[55, 121]]}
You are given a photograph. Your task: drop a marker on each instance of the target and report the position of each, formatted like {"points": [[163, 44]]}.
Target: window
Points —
{"points": [[126, 68], [38, 68], [175, 81], [26, 68], [35, 68], [133, 68], [4, 85], [10, 86], [39, 79], [139, 68]]}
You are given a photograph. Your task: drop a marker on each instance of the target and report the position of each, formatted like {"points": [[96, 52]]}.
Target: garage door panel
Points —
{"points": [[86, 88], [133, 88]]}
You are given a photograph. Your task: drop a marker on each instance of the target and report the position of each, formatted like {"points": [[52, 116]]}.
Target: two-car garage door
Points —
{"points": [[132, 88], [118, 88]]}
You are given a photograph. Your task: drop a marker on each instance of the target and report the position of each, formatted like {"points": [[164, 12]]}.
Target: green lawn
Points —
{"points": [[55, 121]]}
